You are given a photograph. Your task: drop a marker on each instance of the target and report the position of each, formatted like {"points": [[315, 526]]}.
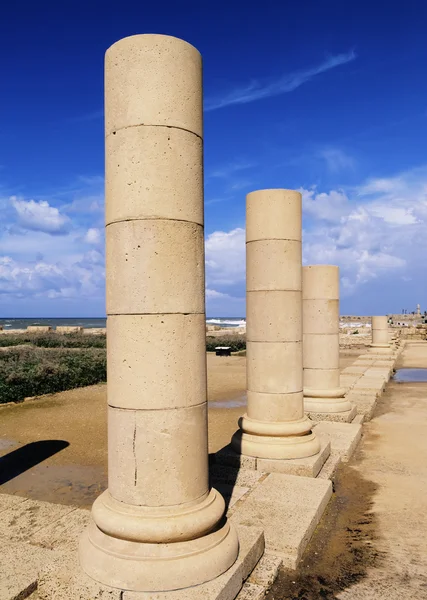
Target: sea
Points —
{"points": [[96, 322]]}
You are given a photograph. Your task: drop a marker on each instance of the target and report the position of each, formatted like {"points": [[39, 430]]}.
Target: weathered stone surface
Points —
{"points": [[344, 437], [288, 508], [306, 467]]}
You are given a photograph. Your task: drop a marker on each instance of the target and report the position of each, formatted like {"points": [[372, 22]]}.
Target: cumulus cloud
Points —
{"points": [[81, 279], [93, 236], [225, 257], [40, 216], [375, 231]]}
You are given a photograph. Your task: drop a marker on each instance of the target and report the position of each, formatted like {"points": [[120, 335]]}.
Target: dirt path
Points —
{"points": [[372, 542]]}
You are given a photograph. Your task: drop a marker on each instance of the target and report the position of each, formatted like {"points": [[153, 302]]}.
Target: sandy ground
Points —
{"points": [[55, 448], [372, 543]]}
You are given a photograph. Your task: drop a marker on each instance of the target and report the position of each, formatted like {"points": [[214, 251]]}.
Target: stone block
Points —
{"points": [[306, 467], [20, 564], [64, 533], [63, 579], [266, 571], [331, 465], [227, 456], [344, 437], [251, 591], [287, 508], [21, 520], [7, 501]]}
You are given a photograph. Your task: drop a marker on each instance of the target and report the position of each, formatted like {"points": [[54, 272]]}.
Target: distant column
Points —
{"points": [[322, 390], [275, 425], [158, 526], [380, 335]]}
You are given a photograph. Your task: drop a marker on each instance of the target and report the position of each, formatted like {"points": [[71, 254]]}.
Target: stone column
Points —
{"points": [[380, 335], [321, 358], [275, 425], [158, 526]]}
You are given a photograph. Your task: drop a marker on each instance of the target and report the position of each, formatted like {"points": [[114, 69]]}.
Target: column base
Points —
{"points": [[144, 549], [321, 404], [340, 417], [143, 567], [380, 349], [280, 440]]}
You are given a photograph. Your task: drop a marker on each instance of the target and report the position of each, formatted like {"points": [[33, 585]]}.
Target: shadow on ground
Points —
{"points": [[26, 457], [342, 548]]}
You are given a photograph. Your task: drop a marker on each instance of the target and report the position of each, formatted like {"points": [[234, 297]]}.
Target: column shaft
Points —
{"points": [[275, 425], [322, 391], [380, 334], [158, 526]]}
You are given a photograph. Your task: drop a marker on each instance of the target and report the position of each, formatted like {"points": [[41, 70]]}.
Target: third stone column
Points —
{"points": [[158, 526], [275, 426]]}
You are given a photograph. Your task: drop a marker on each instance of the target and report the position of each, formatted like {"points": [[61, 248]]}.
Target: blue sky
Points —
{"points": [[326, 97]]}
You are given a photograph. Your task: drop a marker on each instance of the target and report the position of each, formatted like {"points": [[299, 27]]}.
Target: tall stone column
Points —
{"points": [[158, 526], [275, 425], [321, 358], [380, 335]]}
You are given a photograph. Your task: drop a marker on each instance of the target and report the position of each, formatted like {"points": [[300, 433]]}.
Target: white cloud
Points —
{"points": [[337, 160], [325, 206], [93, 236], [376, 231], [225, 257], [257, 90], [40, 216]]}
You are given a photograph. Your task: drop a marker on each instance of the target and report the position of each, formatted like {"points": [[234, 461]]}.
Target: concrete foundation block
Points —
{"points": [[251, 591], [18, 522], [344, 437], [358, 420], [352, 370], [365, 403], [20, 564], [266, 571], [7, 501], [64, 533], [227, 456], [63, 579], [306, 467], [330, 467], [287, 508]]}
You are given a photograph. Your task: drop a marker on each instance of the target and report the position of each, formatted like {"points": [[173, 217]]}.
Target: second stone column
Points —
{"points": [[275, 425], [323, 395], [158, 526]]}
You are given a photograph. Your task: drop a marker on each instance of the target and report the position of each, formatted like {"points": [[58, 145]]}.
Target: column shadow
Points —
{"points": [[26, 457], [224, 468]]}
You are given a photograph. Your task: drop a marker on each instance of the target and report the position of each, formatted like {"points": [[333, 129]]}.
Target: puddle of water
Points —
{"points": [[410, 375], [235, 403]]}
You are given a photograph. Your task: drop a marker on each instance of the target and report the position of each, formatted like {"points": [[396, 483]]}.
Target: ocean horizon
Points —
{"points": [[97, 322]]}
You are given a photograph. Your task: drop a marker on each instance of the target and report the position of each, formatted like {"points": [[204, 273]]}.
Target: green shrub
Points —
{"points": [[355, 332], [236, 342], [28, 372], [54, 340]]}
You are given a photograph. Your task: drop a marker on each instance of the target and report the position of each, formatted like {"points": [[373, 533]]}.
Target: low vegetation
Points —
{"points": [[236, 342], [36, 364], [26, 372], [54, 340]]}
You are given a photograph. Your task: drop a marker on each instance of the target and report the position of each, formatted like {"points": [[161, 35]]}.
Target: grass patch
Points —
{"points": [[54, 340], [28, 372], [236, 342]]}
